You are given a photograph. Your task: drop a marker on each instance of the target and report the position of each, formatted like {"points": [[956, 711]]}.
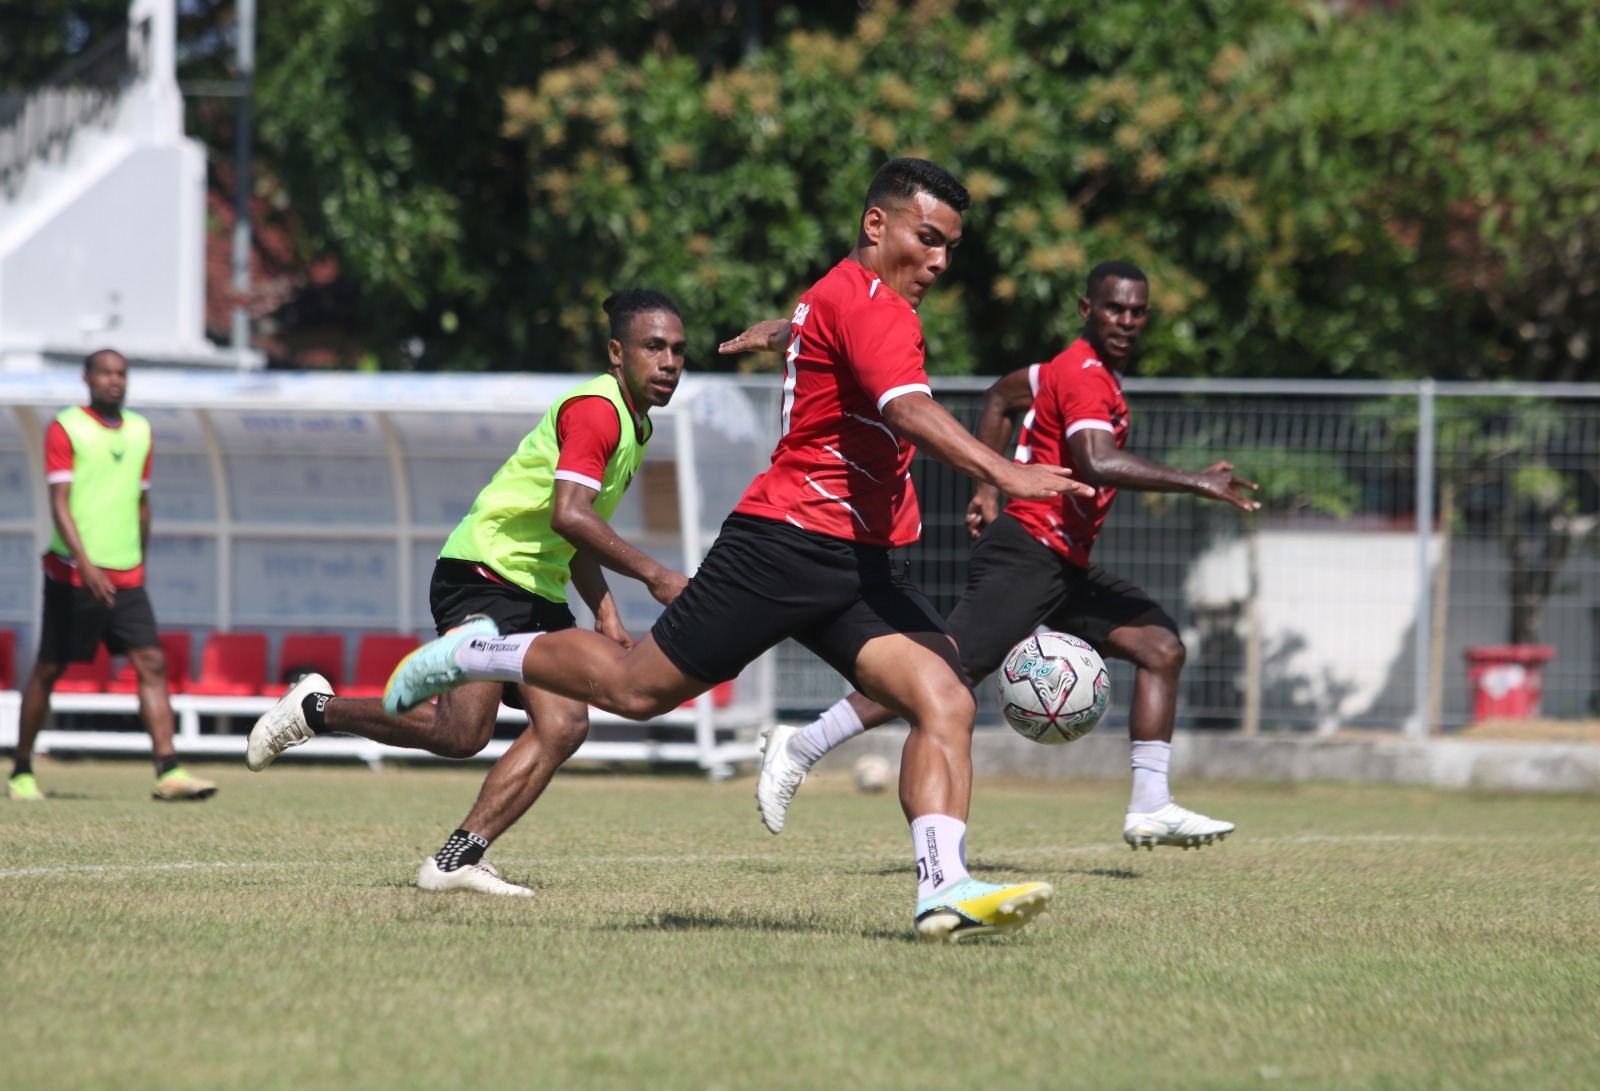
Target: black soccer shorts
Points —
{"points": [[1016, 584], [76, 623], [459, 589], [764, 581]]}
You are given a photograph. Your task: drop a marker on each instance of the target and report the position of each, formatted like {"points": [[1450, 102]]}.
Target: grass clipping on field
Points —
{"points": [[271, 938]]}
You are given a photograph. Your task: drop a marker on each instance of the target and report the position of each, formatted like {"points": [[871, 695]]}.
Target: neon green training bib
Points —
{"points": [[508, 528], [107, 483]]}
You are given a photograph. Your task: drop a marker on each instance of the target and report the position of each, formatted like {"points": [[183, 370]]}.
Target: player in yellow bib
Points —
{"points": [[539, 524], [97, 465]]}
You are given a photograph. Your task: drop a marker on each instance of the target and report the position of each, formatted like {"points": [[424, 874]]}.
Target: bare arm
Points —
{"points": [[574, 518], [769, 336], [591, 584], [98, 583], [923, 421], [1003, 403], [1100, 462]]}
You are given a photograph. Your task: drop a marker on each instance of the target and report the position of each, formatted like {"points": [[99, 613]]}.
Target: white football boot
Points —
{"points": [[284, 724], [780, 777], [1172, 825], [481, 877]]}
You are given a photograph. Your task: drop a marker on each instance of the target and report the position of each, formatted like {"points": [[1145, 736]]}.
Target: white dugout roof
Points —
{"points": [[306, 500]]}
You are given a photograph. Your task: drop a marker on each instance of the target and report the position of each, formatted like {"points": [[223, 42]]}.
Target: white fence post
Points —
{"points": [[1418, 726]]}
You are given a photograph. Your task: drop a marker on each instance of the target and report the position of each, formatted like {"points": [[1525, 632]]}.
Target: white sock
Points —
{"points": [[1150, 791], [939, 844], [494, 658], [824, 733]]}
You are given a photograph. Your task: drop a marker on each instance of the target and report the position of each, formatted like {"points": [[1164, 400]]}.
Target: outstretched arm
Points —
{"points": [[918, 418], [1101, 463], [769, 336], [574, 518]]}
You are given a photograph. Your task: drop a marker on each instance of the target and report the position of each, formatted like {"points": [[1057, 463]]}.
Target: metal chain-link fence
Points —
{"points": [[1329, 609]]}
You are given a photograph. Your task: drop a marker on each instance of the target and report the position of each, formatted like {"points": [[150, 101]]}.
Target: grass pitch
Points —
{"points": [[1345, 937]]}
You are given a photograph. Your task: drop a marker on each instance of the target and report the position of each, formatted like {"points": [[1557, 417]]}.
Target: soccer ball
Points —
{"points": [[1053, 688], [873, 772]]}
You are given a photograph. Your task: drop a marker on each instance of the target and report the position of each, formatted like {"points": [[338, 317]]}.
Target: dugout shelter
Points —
{"points": [[298, 515]]}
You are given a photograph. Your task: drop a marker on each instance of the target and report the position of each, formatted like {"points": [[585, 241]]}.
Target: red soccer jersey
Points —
{"points": [[1072, 393], [838, 469], [588, 431]]}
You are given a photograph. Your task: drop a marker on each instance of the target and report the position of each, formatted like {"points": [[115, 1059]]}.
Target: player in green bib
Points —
{"points": [[539, 524], [97, 467]]}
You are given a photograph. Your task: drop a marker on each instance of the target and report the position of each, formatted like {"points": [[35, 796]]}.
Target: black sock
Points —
{"points": [[463, 849], [22, 766], [165, 765], [315, 710]]}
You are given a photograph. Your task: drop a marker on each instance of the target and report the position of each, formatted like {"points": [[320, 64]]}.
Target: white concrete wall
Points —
{"points": [[1336, 611], [104, 245]]}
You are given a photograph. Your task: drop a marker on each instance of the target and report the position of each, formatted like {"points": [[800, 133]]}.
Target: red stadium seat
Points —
{"points": [[232, 665], [8, 659], [321, 652], [721, 695], [376, 657], [88, 677], [126, 680]]}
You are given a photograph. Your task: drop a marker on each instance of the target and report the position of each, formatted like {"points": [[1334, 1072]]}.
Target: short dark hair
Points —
{"points": [[623, 306], [88, 361], [899, 180], [1107, 270]]}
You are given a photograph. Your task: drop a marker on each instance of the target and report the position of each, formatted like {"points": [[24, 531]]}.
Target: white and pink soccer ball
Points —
{"points": [[1053, 688]]}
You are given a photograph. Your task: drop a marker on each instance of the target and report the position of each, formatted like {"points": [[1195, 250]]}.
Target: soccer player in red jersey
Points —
{"points": [[805, 553], [1031, 565]]}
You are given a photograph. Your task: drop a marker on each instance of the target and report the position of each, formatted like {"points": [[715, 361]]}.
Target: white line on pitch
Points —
{"points": [[746, 858]]}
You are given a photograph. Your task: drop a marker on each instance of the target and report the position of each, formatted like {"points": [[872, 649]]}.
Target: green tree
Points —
{"points": [[382, 125], [1436, 165], [38, 38], [1379, 194]]}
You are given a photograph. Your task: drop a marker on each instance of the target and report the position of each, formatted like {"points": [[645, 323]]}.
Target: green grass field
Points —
{"points": [[1345, 937]]}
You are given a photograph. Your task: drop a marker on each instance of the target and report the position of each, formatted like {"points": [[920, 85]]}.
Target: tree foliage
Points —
{"points": [[1395, 190], [1436, 167], [38, 38]]}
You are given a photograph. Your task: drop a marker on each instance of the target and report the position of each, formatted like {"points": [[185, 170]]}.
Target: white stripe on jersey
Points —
{"points": [[1090, 426], [1024, 452], [581, 479], [842, 503], [791, 375], [834, 451], [877, 424], [909, 388]]}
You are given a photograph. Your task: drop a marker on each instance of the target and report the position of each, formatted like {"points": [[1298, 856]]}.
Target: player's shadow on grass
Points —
{"points": [[1105, 872], [1017, 870], [712, 922], [1012, 871]]}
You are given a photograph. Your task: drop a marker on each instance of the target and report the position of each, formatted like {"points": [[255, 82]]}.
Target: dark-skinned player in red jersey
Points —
{"points": [[1030, 566], [805, 553]]}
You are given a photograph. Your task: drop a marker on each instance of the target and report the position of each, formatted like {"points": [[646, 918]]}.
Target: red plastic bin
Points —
{"points": [[1507, 680]]}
